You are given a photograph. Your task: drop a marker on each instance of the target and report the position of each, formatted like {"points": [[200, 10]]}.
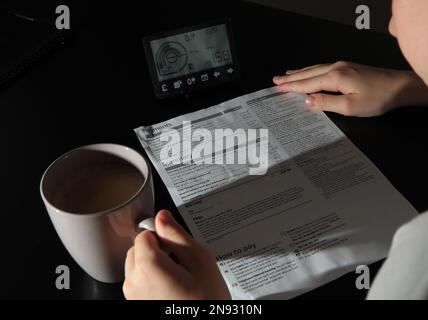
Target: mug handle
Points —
{"points": [[148, 224]]}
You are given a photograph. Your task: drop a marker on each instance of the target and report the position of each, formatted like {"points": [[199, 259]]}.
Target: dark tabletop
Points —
{"points": [[96, 88]]}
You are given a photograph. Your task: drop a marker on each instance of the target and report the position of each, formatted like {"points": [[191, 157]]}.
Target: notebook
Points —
{"points": [[23, 40]]}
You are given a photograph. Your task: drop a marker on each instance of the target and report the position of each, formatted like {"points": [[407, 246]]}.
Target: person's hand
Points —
{"points": [[364, 91], [151, 274]]}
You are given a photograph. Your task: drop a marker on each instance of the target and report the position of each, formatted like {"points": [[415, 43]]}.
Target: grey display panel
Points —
{"points": [[191, 52]]}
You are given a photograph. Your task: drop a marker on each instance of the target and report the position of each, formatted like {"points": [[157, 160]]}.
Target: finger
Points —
{"points": [[289, 73], [306, 68], [304, 74], [146, 245], [151, 260], [177, 239], [327, 102], [130, 261], [315, 84]]}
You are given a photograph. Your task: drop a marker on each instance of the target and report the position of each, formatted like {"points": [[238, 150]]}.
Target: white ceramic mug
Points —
{"points": [[98, 242]]}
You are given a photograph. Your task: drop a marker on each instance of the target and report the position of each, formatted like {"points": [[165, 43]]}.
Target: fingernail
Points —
{"points": [[166, 217], [290, 71], [276, 78], [310, 101]]}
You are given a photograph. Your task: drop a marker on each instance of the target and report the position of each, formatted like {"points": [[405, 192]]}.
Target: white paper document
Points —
{"points": [[321, 209]]}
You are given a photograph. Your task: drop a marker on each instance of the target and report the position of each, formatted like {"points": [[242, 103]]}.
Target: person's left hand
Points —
{"points": [[151, 274], [364, 91]]}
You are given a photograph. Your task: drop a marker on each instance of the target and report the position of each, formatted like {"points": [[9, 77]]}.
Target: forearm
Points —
{"points": [[404, 274], [411, 90]]}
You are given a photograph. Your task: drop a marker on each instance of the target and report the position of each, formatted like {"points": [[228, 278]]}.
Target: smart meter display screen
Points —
{"points": [[190, 59], [191, 52]]}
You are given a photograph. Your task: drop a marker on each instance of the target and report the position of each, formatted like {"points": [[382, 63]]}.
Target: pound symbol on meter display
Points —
{"points": [[171, 58]]}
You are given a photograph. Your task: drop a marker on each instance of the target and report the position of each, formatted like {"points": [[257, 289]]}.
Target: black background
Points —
{"points": [[96, 88]]}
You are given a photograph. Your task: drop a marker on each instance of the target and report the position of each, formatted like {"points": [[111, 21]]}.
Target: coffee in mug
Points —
{"points": [[104, 183]]}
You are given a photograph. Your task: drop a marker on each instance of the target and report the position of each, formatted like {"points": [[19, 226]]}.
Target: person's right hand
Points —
{"points": [[365, 91], [150, 273]]}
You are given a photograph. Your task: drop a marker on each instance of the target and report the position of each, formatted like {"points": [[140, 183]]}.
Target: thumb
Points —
{"points": [[173, 236], [327, 102]]}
